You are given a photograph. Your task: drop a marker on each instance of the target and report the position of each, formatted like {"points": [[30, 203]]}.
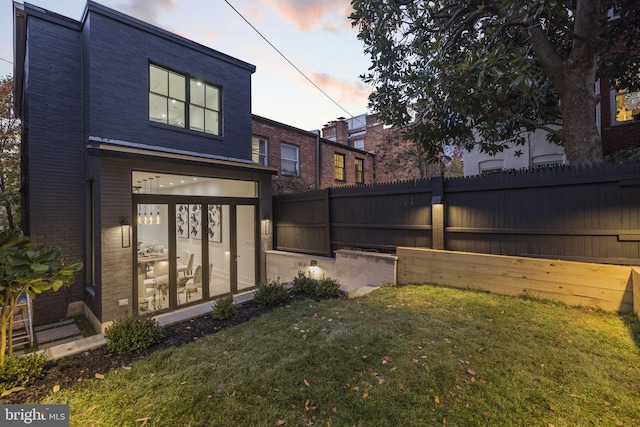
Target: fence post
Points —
{"points": [[437, 213], [327, 201]]}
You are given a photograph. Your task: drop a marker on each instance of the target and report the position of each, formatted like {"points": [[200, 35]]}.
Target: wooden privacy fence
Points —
{"points": [[590, 215]]}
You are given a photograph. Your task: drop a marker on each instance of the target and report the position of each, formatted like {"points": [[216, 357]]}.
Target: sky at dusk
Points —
{"points": [[315, 35]]}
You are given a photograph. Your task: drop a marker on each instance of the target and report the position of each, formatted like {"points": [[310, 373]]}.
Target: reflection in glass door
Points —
{"points": [[189, 229], [153, 257], [246, 246], [219, 236]]}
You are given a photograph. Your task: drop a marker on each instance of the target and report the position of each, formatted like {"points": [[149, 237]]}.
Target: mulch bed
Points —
{"points": [[72, 369]]}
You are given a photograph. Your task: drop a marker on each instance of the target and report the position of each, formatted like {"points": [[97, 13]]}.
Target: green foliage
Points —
{"points": [[271, 294], [323, 287], [27, 267], [133, 334], [224, 308], [17, 371], [481, 72], [628, 154], [9, 157]]}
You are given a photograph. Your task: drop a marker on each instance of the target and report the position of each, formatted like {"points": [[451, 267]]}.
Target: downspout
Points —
{"points": [[318, 162]]}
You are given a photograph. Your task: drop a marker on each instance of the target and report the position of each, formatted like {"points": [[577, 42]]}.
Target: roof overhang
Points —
{"points": [[113, 148]]}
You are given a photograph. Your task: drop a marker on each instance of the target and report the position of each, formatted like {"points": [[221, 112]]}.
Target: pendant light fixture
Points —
{"points": [[158, 218], [139, 208], [146, 218]]}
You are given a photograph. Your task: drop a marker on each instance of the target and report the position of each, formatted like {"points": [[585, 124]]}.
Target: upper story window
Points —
{"points": [[259, 151], [627, 106], [359, 144], [170, 94], [359, 171], [289, 160], [338, 167]]}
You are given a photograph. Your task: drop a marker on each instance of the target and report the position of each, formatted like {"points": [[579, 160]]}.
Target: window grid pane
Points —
{"points": [[169, 97], [359, 171], [289, 160], [338, 166]]}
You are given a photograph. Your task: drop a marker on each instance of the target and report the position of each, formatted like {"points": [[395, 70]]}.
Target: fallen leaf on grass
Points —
{"points": [[486, 413], [99, 376], [471, 372], [13, 390], [144, 421], [56, 388], [306, 383], [436, 399], [281, 422], [365, 394]]}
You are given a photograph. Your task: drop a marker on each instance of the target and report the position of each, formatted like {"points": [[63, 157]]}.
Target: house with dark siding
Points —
{"points": [[137, 159]]}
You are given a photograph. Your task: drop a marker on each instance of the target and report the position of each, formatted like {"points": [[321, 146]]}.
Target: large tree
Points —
{"points": [[483, 71], [9, 157]]}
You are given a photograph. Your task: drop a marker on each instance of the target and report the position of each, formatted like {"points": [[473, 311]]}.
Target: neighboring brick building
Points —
{"points": [[305, 161], [396, 159]]}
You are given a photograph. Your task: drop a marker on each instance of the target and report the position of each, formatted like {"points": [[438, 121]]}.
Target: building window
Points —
{"points": [[338, 167], [359, 144], [627, 106], [289, 155], [259, 151], [169, 96], [359, 171]]}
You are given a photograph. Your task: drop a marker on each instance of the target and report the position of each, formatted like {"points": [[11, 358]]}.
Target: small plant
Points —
{"points": [[271, 294], [133, 334], [327, 287], [324, 287], [224, 308], [17, 371]]}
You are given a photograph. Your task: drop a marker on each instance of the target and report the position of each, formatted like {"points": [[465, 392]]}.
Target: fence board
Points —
{"points": [[587, 214]]}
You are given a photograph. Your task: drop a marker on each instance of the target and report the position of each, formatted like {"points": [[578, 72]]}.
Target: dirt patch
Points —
{"points": [[76, 368]]}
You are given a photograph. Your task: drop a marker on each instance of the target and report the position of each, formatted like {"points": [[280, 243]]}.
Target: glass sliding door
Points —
{"points": [[152, 257], [246, 246], [188, 260], [220, 245]]}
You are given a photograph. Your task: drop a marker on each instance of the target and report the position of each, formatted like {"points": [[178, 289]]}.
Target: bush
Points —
{"points": [[133, 334], [271, 294], [17, 371], [224, 308], [324, 287]]}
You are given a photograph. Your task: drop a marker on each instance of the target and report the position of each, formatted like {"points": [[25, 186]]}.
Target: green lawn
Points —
{"points": [[401, 356]]}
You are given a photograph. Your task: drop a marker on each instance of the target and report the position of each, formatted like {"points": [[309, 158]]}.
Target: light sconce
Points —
{"points": [[313, 263], [125, 230], [266, 225]]}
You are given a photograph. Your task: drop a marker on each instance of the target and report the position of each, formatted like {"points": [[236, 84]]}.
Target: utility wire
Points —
{"points": [[287, 59], [8, 62]]}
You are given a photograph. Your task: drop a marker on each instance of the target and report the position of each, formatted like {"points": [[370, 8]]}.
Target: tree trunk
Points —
{"points": [[582, 143]]}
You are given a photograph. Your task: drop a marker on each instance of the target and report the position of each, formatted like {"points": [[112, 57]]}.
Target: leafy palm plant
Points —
{"points": [[27, 267]]}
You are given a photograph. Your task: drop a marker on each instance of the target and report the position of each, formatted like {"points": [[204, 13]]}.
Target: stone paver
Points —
{"points": [[53, 334]]}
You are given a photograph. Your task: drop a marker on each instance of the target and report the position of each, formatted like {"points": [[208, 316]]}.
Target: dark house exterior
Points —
{"points": [[137, 159]]}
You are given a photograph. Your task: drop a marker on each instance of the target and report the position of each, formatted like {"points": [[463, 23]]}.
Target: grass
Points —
{"points": [[401, 356]]}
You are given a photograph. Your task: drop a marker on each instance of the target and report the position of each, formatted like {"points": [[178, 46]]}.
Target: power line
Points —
{"points": [[8, 62], [287, 59]]}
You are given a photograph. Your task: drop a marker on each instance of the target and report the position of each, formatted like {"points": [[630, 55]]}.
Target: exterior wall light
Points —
{"points": [[125, 232]]}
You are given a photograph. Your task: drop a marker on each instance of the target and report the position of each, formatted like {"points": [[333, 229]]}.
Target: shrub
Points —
{"points": [[324, 287], [224, 308], [133, 334], [271, 294], [17, 371]]}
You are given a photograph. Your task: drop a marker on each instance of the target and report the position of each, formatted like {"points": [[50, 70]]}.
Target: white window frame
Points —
{"points": [[295, 161], [260, 151]]}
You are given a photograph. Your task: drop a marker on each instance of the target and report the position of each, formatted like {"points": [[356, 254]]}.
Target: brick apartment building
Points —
{"points": [[305, 161], [395, 157]]}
